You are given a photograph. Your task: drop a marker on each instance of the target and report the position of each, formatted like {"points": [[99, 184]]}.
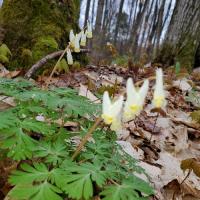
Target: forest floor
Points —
{"points": [[167, 142]]}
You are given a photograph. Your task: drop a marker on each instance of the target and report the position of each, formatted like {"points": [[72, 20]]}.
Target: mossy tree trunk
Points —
{"points": [[183, 35], [35, 28]]}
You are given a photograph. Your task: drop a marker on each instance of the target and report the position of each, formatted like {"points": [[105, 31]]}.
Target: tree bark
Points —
{"points": [[182, 39], [118, 21], [37, 28], [99, 17], [87, 12], [136, 26]]}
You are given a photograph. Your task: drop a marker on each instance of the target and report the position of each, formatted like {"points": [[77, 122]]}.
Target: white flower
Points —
{"points": [[76, 43], [40, 118], [135, 99], [89, 30], [69, 57], [159, 92], [71, 38], [71, 35], [83, 38], [112, 112]]}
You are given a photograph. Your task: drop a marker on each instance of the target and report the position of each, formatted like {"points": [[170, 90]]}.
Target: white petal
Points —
{"points": [[77, 45], [71, 35], [143, 91], [116, 107], [106, 103], [69, 57], [116, 125], [130, 90], [159, 88]]}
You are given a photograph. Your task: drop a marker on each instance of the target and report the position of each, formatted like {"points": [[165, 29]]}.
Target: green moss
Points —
{"points": [[5, 54], [43, 46], [186, 55], [4, 59], [63, 66], [184, 52], [41, 26]]}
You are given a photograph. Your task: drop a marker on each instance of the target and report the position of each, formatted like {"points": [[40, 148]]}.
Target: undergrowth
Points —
{"points": [[33, 135]]}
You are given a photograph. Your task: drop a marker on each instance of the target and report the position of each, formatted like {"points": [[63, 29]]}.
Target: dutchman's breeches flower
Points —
{"points": [[69, 57], [83, 38], [135, 99], [77, 44], [159, 100], [112, 112], [89, 30]]}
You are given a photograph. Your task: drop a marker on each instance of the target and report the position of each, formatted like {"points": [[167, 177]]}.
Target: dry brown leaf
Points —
{"points": [[83, 91], [191, 164]]}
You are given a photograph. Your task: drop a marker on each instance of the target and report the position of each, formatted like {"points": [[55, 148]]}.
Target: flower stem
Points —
{"points": [[154, 126], [56, 65], [86, 137]]}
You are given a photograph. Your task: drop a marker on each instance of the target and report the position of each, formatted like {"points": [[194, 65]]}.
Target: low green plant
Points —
{"points": [[33, 134], [121, 60], [5, 54]]}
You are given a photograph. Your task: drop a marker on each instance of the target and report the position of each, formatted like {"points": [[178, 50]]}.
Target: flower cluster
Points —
{"points": [[118, 111], [75, 41]]}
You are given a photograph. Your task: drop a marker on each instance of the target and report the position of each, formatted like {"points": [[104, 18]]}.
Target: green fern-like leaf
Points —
{"points": [[38, 172], [128, 190], [44, 191], [52, 152], [35, 182], [19, 144], [82, 178], [7, 119]]}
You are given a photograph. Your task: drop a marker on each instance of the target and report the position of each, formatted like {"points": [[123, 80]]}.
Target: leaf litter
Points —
{"points": [[169, 150]]}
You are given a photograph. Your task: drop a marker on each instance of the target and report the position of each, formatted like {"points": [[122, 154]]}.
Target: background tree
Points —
{"points": [[182, 39], [87, 12], [119, 16], [35, 28]]}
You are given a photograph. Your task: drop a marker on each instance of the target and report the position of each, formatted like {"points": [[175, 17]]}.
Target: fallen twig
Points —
{"points": [[44, 60]]}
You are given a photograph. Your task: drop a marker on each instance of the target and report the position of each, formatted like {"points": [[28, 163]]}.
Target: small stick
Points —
{"points": [[154, 126], [189, 172], [86, 137]]}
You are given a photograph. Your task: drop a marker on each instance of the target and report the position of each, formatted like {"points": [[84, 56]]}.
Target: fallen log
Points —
{"points": [[44, 60]]}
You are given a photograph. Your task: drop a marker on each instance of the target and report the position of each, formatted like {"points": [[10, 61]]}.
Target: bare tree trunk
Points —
{"points": [[87, 12], [99, 17], [130, 17], [146, 28], [135, 28], [182, 38], [118, 21], [149, 43], [93, 11], [160, 24]]}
